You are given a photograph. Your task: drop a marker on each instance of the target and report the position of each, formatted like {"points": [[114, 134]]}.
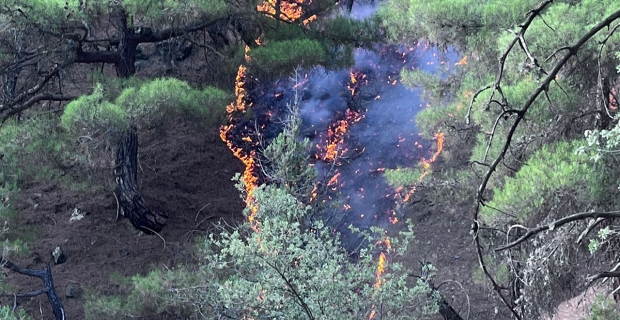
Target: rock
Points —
{"points": [[77, 215], [59, 256], [70, 291]]}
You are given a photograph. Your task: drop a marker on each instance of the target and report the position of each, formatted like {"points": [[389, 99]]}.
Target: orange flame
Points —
{"points": [[288, 11], [250, 179], [462, 62], [381, 265], [335, 137], [426, 164], [380, 270]]}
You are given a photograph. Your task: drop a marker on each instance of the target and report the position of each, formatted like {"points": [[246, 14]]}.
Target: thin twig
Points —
{"points": [[197, 213], [153, 231], [118, 206]]}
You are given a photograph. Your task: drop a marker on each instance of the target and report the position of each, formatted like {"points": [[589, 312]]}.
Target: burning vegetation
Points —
{"points": [[360, 124]]}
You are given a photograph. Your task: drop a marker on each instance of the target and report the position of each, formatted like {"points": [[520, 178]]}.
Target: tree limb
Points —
{"points": [[48, 286], [33, 100], [558, 223]]}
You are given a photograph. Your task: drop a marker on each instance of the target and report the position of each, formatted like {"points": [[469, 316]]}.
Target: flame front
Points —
{"points": [[381, 265], [250, 178]]}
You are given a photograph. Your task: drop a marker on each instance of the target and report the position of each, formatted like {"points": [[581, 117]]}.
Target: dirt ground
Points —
{"points": [[442, 230], [191, 174]]}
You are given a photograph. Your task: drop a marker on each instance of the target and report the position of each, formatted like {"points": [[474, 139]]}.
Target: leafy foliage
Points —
{"points": [[89, 114], [551, 169], [157, 100], [169, 97], [283, 271], [7, 314], [159, 11], [603, 309], [287, 159], [404, 177], [280, 57]]}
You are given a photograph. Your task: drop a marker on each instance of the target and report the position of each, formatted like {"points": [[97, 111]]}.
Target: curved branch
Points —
{"points": [[48, 286], [37, 98], [558, 223]]}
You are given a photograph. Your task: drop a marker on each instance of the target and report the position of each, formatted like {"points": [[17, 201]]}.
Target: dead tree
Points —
{"points": [[131, 204], [48, 287]]}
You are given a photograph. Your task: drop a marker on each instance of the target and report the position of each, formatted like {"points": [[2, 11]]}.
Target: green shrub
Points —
{"points": [[554, 168], [168, 97], [280, 57], [603, 309], [141, 295], [91, 114], [7, 314], [403, 177]]}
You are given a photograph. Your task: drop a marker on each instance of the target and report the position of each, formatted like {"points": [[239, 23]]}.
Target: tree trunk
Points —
{"points": [[446, 310], [125, 67], [130, 200]]}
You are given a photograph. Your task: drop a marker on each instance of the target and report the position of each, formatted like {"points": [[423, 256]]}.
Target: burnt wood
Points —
{"points": [[131, 202], [48, 287]]}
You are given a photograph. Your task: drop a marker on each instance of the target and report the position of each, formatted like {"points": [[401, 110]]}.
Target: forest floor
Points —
{"points": [[187, 170], [191, 173]]}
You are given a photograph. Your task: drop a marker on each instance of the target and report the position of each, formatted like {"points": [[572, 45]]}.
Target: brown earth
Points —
{"points": [[442, 222], [188, 170]]}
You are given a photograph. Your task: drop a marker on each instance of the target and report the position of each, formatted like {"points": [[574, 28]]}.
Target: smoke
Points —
{"points": [[365, 114]]}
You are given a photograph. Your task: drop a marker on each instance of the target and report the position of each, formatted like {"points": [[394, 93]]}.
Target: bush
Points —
{"points": [[7, 314], [404, 177], [554, 168], [163, 98], [92, 116], [280, 57], [603, 309]]}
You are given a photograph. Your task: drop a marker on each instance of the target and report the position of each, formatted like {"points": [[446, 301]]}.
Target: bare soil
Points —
{"points": [[188, 170], [442, 224]]}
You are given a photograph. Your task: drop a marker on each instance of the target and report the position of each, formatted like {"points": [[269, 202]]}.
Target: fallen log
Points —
{"points": [[131, 202], [48, 287]]}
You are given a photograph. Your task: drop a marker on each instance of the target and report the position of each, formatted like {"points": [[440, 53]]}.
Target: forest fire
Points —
{"points": [[250, 176], [288, 11], [426, 165], [381, 265], [359, 121], [334, 142]]}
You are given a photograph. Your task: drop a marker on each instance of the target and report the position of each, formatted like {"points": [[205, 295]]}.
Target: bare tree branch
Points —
{"points": [[33, 100], [558, 223], [544, 86]]}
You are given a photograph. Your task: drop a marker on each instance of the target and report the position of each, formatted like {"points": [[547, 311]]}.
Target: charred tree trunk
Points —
{"points": [[131, 203], [445, 309], [48, 287], [127, 47]]}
